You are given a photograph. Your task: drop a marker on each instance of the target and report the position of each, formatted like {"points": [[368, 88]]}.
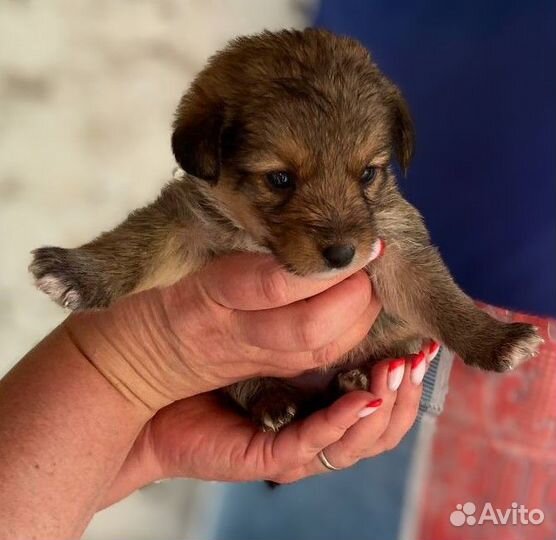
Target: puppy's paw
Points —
{"points": [[70, 277], [274, 411], [59, 291], [521, 343], [518, 343], [355, 379], [51, 268]]}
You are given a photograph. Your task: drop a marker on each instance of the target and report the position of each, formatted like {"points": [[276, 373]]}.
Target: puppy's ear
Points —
{"points": [[403, 135], [196, 141]]}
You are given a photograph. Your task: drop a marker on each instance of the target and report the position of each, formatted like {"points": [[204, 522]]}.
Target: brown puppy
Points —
{"points": [[286, 140]]}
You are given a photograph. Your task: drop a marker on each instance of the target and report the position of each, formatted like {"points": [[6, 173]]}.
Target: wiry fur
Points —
{"points": [[316, 105]]}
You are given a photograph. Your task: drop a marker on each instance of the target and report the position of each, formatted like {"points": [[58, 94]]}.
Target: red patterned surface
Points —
{"points": [[496, 442]]}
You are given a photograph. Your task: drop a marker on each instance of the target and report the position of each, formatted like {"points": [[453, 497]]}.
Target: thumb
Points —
{"points": [[247, 281]]}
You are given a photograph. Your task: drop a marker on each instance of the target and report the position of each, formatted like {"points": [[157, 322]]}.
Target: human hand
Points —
{"points": [[203, 437], [242, 316]]}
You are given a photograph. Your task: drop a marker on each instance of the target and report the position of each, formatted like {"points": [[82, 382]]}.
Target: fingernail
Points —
{"points": [[396, 369], [418, 368], [433, 349], [377, 250], [370, 408]]}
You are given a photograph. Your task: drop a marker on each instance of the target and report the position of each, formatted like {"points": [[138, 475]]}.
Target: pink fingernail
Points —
{"points": [[418, 368], [433, 349], [370, 408], [396, 370]]}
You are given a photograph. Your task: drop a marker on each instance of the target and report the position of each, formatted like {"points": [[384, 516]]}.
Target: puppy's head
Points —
{"points": [[293, 133]]}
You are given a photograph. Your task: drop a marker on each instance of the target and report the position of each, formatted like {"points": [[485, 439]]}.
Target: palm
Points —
{"points": [[204, 437]]}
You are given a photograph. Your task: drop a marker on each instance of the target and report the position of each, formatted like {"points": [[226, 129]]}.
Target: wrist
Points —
{"points": [[60, 416], [140, 468]]}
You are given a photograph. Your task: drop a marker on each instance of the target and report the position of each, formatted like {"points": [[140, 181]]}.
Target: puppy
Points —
{"points": [[286, 143]]}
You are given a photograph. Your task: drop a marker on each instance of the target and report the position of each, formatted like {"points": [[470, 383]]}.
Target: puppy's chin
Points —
{"points": [[318, 270], [330, 273], [322, 271]]}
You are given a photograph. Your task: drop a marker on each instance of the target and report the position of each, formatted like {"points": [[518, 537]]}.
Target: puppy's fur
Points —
{"points": [[314, 105]]}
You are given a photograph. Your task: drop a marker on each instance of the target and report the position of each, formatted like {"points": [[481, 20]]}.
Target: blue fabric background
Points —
{"points": [[363, 502], [480, 78]]}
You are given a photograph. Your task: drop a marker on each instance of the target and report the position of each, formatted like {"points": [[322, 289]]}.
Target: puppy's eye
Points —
{"points": [[369, 174], [280, 179]]}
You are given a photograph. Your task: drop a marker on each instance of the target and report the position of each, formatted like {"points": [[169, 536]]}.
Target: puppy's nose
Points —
{"points": [[338, 255]]}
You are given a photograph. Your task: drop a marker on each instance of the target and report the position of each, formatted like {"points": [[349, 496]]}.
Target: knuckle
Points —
{"points": [[391, 442], [170, 299], [274, 479], [168, 308], [388, 446], [335, 427], [273, 287], [347, 460], [284, 479], [416, 400], [343, 455], [327, 355], [351, 460], [407, 412], [412, 413], [310, 334], [365, 292]]}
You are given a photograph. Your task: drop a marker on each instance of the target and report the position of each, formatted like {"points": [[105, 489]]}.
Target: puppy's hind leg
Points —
{"points": [[272, 403], [348, 381]]}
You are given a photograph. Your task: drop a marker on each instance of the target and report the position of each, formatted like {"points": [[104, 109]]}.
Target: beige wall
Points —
{"points": [[87, 92]]}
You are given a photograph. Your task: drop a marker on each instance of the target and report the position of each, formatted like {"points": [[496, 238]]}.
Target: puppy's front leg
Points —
{"points": [[414, 284], [152, 247]]}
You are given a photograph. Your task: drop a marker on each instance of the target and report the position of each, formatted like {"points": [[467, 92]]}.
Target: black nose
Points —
{"points": [[338, 255]]}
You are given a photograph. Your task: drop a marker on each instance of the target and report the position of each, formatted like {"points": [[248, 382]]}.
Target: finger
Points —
{"points": [[378, 432], [339, 454], [252, 282], [300, 442], [395, 373], [288, 364], [361, 439], [383, 374], [404, 412], [431, 349], [309, 324], [350, 339]]}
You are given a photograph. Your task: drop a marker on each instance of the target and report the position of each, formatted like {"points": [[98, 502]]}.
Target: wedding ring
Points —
{"points": [[324, 460]]}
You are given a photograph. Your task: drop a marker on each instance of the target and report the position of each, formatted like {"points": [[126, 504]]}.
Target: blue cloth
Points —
{"points": [[480, 78], [361, 502]]}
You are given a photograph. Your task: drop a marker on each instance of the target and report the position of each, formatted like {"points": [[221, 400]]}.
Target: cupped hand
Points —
{"points": [[204, 437], [242, 316]]}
